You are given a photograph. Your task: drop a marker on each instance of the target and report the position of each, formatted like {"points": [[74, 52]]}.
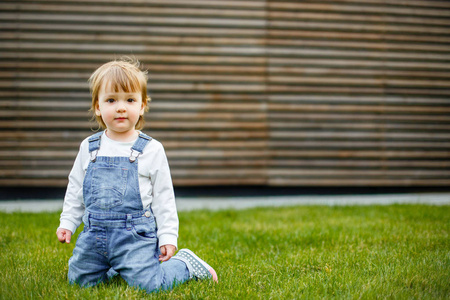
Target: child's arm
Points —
{"points": [[167, 252], [64, 235], [73, 207], [163, 203]]}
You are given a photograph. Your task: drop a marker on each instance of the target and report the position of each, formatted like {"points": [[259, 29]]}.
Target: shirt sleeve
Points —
{"points": [[163, 204], [73, 208]]}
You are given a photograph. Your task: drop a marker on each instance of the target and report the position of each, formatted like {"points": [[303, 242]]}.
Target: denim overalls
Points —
{"points": [[119, 233]]}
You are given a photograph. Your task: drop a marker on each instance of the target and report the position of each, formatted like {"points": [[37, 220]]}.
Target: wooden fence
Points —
{"points": [[277, 93]]}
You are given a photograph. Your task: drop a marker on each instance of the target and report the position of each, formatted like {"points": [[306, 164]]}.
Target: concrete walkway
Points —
{"points": [[218, 203]]}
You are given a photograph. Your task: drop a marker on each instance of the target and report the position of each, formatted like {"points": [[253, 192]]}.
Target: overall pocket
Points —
{"points": [[108, 186], [145, 231]]}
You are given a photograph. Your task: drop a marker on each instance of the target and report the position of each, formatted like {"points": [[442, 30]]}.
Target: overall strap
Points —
{"points": [[139, 146], [94, 145]]}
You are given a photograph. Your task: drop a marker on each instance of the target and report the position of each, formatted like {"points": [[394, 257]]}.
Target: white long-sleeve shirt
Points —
{"points": [[155, 184]]}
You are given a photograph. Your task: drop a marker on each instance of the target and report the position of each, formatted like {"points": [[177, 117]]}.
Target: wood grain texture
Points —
{"points": [[277, 93]]}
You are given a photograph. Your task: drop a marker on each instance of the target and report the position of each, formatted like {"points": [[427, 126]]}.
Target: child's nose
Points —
{"points": [[121, 106]]}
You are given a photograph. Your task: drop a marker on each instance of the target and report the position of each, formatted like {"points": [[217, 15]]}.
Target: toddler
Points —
{"points": [[120, 187]]}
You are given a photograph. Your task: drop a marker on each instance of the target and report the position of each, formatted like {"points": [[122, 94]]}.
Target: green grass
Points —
{"points": [[398, 251]]}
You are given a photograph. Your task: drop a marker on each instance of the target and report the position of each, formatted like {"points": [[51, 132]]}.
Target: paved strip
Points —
{"points": [[220, 203], [187, 204]]}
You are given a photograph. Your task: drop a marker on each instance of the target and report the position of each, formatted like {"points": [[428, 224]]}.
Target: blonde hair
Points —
{"points": [[123, 75]]}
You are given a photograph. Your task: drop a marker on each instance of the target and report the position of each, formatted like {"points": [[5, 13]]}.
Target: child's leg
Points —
{"points": [[87, 267], [175, 272], [136, 259], [153, 276]]}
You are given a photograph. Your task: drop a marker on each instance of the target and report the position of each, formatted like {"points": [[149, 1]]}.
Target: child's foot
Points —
{"points": [[198, 268]]}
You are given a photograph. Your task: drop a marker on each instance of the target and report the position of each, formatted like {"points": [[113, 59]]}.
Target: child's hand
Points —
{"points": [[64, 235], [167, 252]]}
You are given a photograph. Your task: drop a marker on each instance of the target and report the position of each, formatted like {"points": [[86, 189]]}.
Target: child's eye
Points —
{"points": [[131, 100], [110, 100]]}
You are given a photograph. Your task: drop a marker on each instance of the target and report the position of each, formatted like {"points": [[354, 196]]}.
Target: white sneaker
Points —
{"points": [[198, 268]]}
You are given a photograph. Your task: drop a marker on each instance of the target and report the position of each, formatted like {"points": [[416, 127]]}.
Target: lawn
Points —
{"points": [[396, 251]]}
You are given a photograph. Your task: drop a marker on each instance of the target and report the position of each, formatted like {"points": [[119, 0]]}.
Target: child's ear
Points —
{"points": [[97, 110], [143, 107]]}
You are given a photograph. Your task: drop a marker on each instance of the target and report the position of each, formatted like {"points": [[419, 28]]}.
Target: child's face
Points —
{"points": [[120, 111]]}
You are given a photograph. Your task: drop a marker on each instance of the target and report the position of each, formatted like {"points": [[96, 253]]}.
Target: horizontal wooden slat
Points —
{"points": [[250, 79], [360, 144], [255, 145], [97, 8], [355, 36], [153, 77], [357, 173], [356, 182], [345, 153], [334, 63], [142, 20], [136, 29], [340, 17], [364, 164], [376, 7], [293, 107], [352, 136], [359, 164], [359, 27], [160, 135], [179, 3], [321, 89], [98, 57], [112, 39], [33, 182]]}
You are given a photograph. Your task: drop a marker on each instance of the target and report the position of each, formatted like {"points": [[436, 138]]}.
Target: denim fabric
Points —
{"points": [[119, 234]]}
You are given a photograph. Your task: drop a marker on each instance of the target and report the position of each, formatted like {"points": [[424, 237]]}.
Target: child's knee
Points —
{"points": [[84, 277], [86, 280]]}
